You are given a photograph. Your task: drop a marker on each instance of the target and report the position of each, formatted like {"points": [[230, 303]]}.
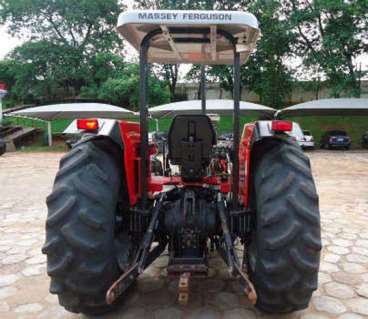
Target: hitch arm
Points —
{"points": [[230, 257], [143, 259], [148, 236]]}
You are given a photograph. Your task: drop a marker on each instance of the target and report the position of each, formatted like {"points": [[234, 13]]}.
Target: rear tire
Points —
{"points": [[80, 227], [284, 252]]}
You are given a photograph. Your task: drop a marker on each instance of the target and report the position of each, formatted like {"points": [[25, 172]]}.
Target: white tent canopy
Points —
{"points": [[327, 107], [75, 111], [222, 107], [187, 36]]}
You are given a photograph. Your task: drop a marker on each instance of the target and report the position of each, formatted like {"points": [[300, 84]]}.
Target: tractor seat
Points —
{"points": [[190, 142]]}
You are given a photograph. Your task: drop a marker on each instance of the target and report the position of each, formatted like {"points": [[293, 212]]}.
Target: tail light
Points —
{"points": [[282, 126], [87, 125]]}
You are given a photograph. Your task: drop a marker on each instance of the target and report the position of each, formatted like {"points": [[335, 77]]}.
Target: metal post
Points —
{"points": [[203, 88], [236, 134], [49, 133], [157, 125], [143, 122], [143, 90]]}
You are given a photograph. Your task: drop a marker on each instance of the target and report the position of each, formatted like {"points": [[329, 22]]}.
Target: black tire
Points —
{"points": [[80, 227], [284, 252]]}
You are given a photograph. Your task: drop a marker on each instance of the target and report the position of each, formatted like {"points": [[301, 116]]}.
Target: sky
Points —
{"points": [[7, 43]]}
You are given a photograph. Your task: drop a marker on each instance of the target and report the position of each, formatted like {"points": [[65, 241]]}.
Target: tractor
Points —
{"points": [[110, 216]]}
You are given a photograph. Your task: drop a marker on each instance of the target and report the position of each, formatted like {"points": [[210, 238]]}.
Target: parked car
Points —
{"points": [[303, 137], [2, 147], [365, 140], [308, 139], [335, 139]]}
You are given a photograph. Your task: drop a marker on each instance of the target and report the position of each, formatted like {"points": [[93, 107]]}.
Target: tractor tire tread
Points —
{"points": [[284, 252], [81, 257]]}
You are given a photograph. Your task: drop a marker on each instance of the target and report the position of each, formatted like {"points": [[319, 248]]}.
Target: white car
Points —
{"points": [[303, 137]]}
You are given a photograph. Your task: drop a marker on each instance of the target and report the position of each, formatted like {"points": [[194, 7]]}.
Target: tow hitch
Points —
{"points": [[182, 265]]}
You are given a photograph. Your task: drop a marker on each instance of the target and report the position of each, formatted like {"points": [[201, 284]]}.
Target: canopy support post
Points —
{"points": [[143, 101], [49, 133], [236, 135], [203, 88]]}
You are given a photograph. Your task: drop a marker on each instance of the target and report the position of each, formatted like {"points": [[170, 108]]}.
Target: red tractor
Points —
{"points": [[110, 217]]}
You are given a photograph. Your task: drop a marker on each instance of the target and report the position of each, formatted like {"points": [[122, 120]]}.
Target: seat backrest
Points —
{"points": [[190, 141]]}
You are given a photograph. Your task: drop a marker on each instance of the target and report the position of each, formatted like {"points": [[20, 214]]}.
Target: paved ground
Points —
{"points": [[342, 181]]}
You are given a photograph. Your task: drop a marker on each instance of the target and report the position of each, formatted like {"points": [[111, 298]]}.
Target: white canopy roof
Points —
{"points": [[327, 107], [75, 111], [223, 107], [191, 36]]}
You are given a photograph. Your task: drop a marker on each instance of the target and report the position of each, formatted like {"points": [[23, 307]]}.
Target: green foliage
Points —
{"points": [[69, 42], [332, 34], [84, 24], [122, 88], [48, 70], [266, 72], [8, 76]]}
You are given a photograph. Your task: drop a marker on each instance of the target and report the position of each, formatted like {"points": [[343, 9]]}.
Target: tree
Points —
{"points": [[266, 73], [332, 34], [87, 25], [65, 38], [122, 88], [49, 70], [8, 76], [169, 73]]}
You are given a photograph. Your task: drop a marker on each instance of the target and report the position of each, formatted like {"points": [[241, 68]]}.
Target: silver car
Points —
{"points": [[303, 137]]}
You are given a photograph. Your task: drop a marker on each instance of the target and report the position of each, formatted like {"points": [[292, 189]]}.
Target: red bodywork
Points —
{"points": [[130, 133], [244, 163]]}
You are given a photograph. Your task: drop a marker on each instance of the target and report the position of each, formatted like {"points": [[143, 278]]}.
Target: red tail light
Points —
{"points": [[282, 126], [87, 124]]}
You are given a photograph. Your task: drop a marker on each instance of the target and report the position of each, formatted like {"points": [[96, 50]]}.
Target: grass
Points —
{"points": [[57, 127], [354, 125]]}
